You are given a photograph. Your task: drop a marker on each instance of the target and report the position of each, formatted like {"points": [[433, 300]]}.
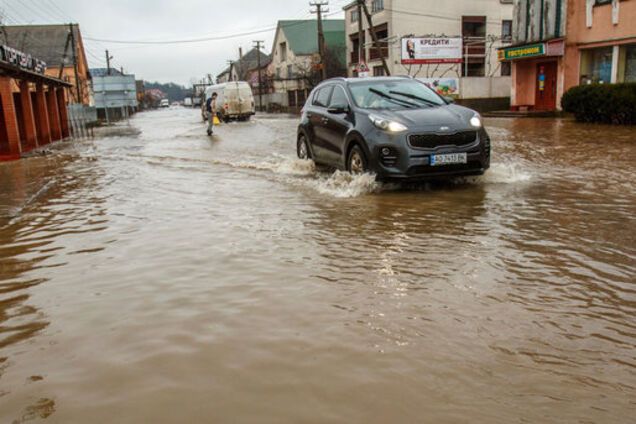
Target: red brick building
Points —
{"points": [[32, 105]]}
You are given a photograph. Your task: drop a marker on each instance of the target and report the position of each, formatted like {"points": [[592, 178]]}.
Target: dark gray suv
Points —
{"points": [[395, 127]]}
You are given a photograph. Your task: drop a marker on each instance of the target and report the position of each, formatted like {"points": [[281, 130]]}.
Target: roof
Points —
{"points": [[44, 42], [21, 73], [249, 62], [302, 35], [102, 72]]}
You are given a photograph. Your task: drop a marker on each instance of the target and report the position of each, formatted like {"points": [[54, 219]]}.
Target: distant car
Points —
{"points": [[235, 101], [397, 128], [164, 103]]}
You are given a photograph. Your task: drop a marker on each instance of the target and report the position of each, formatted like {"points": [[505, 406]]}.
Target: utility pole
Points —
{"points": [[63, 64], [362, 57], [258, 45], [374, 36], [231, 63], [319, 4], [78, 86], [108, 58]]}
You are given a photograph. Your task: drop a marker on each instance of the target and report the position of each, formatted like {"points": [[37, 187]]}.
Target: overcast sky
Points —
{"points": [[161, 20]]}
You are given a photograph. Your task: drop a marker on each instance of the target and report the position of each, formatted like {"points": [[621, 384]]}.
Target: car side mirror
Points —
{"points": [[338, 109], [449, 100]]}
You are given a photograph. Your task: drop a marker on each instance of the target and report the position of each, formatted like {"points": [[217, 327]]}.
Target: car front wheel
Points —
{"points": [[303, 148], [357, 161]]}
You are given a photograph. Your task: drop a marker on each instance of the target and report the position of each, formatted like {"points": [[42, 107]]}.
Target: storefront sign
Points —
{"points": [[555, 48], [23, 60], [521, 52], [443, 86], [417, 51]]}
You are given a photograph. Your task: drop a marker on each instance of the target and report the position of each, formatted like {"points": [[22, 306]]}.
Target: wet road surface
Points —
{"points": [[157, 275]]}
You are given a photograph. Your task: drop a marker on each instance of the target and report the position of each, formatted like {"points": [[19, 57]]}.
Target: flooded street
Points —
{"points": [[157, 275]]}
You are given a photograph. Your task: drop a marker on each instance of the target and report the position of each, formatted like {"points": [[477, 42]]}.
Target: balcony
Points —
{"points": [[374, 54], [354, 57]]}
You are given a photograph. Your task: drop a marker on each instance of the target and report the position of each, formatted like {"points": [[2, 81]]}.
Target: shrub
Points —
{"points": [[603, 103]]}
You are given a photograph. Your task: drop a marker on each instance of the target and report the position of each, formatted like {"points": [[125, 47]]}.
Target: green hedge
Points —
{"points": [[604, 103]]}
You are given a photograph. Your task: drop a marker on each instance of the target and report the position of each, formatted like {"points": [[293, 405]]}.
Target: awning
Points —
{"points": [[551, 48], [17, 72]]}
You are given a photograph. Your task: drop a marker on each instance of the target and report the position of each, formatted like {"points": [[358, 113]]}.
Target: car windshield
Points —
{"points": [[406, 94]]}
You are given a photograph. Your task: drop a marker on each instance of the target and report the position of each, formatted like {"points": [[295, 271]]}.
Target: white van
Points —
{"points": [[234, 101], [164, 103]]}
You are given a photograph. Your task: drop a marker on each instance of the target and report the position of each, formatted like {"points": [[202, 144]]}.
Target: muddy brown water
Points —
{"points": [[156, 275]]}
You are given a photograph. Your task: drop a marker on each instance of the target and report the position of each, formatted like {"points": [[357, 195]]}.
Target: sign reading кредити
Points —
{"points": [[23, 60], [425, 50]]}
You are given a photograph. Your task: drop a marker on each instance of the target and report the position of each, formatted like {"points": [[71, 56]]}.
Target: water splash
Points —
{"points": [[345, 185], [506, 173], [277, 165]]}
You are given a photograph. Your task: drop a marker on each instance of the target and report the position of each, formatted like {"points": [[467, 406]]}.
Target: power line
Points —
{"points": [[195, 40]]}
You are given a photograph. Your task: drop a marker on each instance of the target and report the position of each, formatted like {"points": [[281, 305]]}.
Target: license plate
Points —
{"points": [[449, 159]]}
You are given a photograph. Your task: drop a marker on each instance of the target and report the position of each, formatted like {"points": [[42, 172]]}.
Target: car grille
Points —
{"points": [[431, 141]]}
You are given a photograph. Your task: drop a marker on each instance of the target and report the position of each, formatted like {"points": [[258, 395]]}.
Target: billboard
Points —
{"points": [[23, 60], [424, 50], [443, 86]]}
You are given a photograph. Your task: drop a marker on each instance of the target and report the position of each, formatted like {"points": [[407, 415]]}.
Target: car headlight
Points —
{"points": [[475, 121], [387, 125]]}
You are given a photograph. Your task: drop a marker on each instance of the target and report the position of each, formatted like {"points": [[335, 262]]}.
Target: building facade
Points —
{"points": [[559, 44], [601, 42], [33, 106], [62, 48], [482, 26], [295, 59]]}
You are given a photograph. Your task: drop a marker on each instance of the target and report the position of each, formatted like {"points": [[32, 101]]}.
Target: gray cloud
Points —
{"points": [[154, 20]]}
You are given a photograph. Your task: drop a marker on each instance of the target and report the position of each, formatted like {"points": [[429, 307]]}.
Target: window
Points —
{"points": [[339, 98], [321, 98], [283, 52], [396, 95], [630, 63], [596, 66], [382, 32], [302, 97], [602, 2], [355, 16], [377, 6], [355, 54], [291, 98], [474, 34], [506, 31], [278, 73], [378, 71], [506, 69], [290, 71]]}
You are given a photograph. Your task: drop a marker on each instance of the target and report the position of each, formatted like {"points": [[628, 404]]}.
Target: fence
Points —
{"points": [[82, 119]]}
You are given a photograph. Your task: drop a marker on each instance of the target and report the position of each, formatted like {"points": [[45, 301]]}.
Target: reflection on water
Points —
{"points": [[158, 267]]}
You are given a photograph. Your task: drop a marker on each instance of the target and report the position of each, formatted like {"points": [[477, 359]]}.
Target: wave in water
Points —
{"points": [[345, 185]]}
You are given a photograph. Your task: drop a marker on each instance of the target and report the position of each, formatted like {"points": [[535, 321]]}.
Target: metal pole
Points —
{"points": [[75, 68], [260, 73], [362, 57], [466, 60]]}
